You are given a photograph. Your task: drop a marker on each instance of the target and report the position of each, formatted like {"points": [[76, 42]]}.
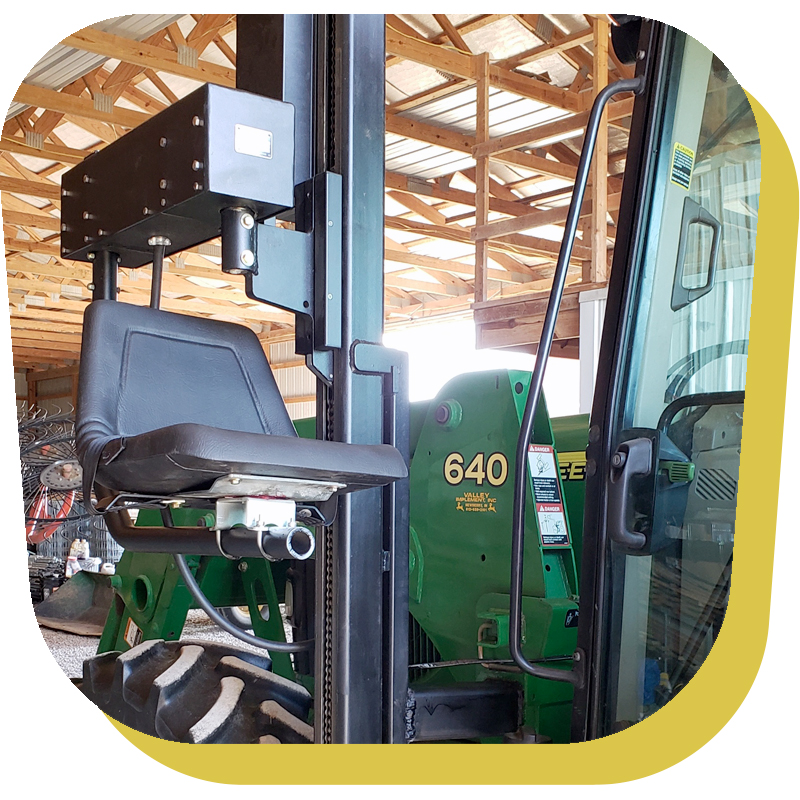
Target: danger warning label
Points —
{"points": [[547, 496]]}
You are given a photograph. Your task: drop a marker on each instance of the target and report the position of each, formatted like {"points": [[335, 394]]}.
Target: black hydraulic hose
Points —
{"points": [[572, 676], [216, 617]]}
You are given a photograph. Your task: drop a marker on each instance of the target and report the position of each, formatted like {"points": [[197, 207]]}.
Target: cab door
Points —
{"points": [[666, 425]]}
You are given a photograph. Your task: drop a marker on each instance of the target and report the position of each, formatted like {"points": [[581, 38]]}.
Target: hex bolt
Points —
{"points": [[243, 566], [162, 184], [197, 165], [197, 187], [162, 141], [247, 258], [91, 258], [197, 122], [86, 215], [87, 239], [247, 221], [146, 211], [101, 232]]}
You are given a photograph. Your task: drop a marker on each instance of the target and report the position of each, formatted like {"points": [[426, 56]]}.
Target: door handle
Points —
{"points": [[633, 458], [695, 214]]}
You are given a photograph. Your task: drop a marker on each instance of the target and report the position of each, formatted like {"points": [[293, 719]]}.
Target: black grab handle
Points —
{"points": [[633, 458]]}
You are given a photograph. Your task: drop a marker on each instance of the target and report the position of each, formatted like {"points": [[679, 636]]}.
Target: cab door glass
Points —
{"points": [[684, 380]]}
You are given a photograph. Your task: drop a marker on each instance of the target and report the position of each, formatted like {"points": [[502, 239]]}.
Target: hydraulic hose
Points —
{"points": [[575, 675], [216, 617]]}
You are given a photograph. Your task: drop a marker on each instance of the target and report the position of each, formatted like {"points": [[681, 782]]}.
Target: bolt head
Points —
{"points": [[243, 566], [163, 202], [91, 285], [146, 211], [197, 187], [247, 221], [91, 258], [87, 179], [162, 142], [236, 481], [162, 184], [197, 122], [197, 165], [247, 258], [86, 215]]}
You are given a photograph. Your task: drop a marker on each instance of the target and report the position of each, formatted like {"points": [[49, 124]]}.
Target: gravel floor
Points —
{"points": [[70, 651]]}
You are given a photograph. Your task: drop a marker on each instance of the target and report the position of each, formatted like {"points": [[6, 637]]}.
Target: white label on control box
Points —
{"points": [[252, 141]]}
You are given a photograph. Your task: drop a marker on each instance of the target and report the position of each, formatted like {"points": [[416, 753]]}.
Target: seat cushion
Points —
{"points": [[190, 457]]}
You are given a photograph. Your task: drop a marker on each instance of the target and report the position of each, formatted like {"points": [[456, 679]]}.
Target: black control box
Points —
{"points": [[172, 176]]}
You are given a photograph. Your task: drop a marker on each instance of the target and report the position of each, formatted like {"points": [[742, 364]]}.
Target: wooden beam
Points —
{"points": [[48, 191], [420, 207], [464, 143], [412, 185], [49, 152], [597, 270], [147, 55], [566, 127], [43, 222], [77, 106], [530, 87], [482, 177], [549, 48], [31, 246], [513, 244], [448, 87], [451, 267], [459, 65], [51, 374], [452, 33], [537, 219]]}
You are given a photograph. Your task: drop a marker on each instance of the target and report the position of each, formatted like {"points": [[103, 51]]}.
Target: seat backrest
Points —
{"points": [[143, 369]]}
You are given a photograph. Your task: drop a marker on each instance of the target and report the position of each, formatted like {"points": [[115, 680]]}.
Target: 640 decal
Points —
{"points": [[492, 468]]}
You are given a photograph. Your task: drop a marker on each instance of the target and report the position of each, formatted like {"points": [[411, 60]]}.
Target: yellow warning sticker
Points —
{"points": [[682, 165]]}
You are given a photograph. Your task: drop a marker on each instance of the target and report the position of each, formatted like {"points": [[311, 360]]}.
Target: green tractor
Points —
{"points": [[460, 570]]}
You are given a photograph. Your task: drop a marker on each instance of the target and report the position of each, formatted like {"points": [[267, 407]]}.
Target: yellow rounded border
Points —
{"points": [[714, 695]]}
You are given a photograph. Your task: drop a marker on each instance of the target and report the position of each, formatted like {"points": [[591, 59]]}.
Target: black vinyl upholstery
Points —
{"points": [[169, 403]]}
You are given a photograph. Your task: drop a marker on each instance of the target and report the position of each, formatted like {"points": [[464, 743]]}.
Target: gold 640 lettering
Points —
{"points": [[493, 469]]}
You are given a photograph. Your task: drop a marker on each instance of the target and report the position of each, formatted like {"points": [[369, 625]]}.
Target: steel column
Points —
{"points": [[356, 125]]}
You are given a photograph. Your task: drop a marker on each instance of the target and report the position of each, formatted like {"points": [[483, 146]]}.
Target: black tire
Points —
{"points": [[198, 692]]}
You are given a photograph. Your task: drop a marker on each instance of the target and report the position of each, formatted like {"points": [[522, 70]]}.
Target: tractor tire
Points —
{"points": [[198, 692]]}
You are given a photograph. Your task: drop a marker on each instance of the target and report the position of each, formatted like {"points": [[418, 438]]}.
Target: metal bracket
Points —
{"points": [[301, 270], [367, 358]]}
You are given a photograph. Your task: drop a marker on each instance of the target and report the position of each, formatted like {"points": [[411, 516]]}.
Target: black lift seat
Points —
{"points": [[169, 403]]}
